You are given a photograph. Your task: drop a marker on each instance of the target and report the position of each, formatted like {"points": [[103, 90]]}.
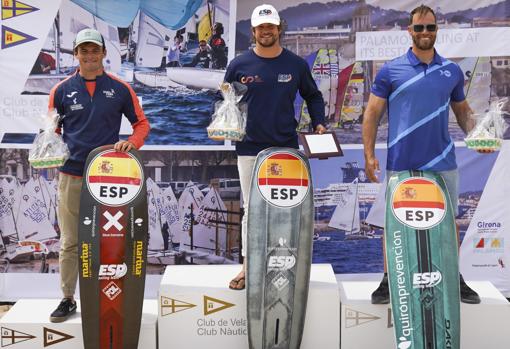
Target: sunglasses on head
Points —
{"points": [[418, 28]]}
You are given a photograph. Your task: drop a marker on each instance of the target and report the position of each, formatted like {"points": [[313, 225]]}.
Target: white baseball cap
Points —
{"points": [[264, 14], [88, 35]]}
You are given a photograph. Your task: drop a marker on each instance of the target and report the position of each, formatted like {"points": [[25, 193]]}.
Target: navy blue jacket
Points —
{"points": [[272, 86]]}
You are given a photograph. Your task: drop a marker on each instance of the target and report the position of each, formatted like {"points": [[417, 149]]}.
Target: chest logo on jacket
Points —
{"points": [[445, 73], [250, 79], [75, 106], [109, 94]]}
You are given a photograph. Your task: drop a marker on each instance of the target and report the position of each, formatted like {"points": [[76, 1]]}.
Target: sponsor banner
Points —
{"points": [[465, 42], [484, 252], [21, 40]]}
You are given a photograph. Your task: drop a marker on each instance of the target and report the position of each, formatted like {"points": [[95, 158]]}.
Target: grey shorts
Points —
{"points": [[451, 179]]}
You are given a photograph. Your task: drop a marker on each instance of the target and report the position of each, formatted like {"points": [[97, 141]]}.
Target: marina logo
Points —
{"points": [[12, 37], [112, 290], [112, 271], [281, 262], [427, 280], [355, 318], [214, 305], [53, 337], [10, 337], [172, 306]]}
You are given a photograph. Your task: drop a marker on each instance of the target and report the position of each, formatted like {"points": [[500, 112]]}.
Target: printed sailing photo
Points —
{"points": [[326, 38], [193, 210], [173, 53]]}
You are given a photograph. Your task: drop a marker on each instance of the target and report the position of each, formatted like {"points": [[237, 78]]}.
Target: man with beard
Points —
{"points": [[417, 89], [273, 76]]}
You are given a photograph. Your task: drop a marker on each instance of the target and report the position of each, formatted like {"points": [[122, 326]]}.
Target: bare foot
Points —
{"points": [[238, 283]]}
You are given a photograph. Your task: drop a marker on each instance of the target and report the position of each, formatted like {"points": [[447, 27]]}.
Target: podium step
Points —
{"points": [[364, 325], [198, 310], [27, 325]]}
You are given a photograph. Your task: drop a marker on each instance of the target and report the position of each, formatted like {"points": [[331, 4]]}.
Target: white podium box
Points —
{"points": [[198, 310], [364, 325], [27, 324]]}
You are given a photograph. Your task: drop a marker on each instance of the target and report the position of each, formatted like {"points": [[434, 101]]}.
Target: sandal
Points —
{"points": [[237, 283]]}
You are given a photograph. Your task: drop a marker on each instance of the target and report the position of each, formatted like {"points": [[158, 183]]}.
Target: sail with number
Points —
{"points": [[155, 236], [32, 218], [346, 215], [170, 212], [209, 235], [189, 206]]}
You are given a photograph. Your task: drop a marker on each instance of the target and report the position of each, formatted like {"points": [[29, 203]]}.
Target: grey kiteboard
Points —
{"points": [[280, 231]]}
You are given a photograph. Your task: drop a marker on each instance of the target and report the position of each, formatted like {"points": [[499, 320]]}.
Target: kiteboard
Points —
{"points": [[280, 232], [422, 257], [112, 247]]}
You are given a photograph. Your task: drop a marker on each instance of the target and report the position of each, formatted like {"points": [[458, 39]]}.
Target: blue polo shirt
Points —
{"points": [[419, 97]]}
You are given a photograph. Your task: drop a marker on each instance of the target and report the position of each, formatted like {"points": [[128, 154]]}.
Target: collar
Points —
{"points": [[415, 61]]}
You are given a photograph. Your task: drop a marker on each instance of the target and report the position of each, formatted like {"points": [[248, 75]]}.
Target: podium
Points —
{"points": [[198, 310], [27, 325], [365, 325]]}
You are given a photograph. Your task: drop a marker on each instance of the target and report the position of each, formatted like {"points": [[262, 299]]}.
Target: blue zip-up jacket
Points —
{"points": [[92, 121]]}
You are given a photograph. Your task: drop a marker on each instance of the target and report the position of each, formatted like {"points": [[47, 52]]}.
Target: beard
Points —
{"points": [[266, 41], [424, 46]]}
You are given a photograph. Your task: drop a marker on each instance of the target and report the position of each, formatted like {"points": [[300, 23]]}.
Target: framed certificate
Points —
{"points": [[321, 146]]}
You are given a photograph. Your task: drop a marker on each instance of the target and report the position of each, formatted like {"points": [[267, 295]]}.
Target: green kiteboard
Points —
{"points": [[422, 257]]}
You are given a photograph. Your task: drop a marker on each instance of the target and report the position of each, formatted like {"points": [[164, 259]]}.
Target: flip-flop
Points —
{"points": [[237, 284]]}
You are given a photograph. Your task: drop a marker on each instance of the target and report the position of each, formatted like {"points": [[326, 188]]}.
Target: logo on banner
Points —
{"points": [[14, 8], [10, 337], [214, 305], [281, 262], [283, 179], [418, 203], [172, 306], [12, 37], [112, 290], [489, 245], [114, 178], [53, 337], [355, 318]]}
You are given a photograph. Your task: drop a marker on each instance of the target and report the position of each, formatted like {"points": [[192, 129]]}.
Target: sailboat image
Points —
{"points": [[346, 216]]}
